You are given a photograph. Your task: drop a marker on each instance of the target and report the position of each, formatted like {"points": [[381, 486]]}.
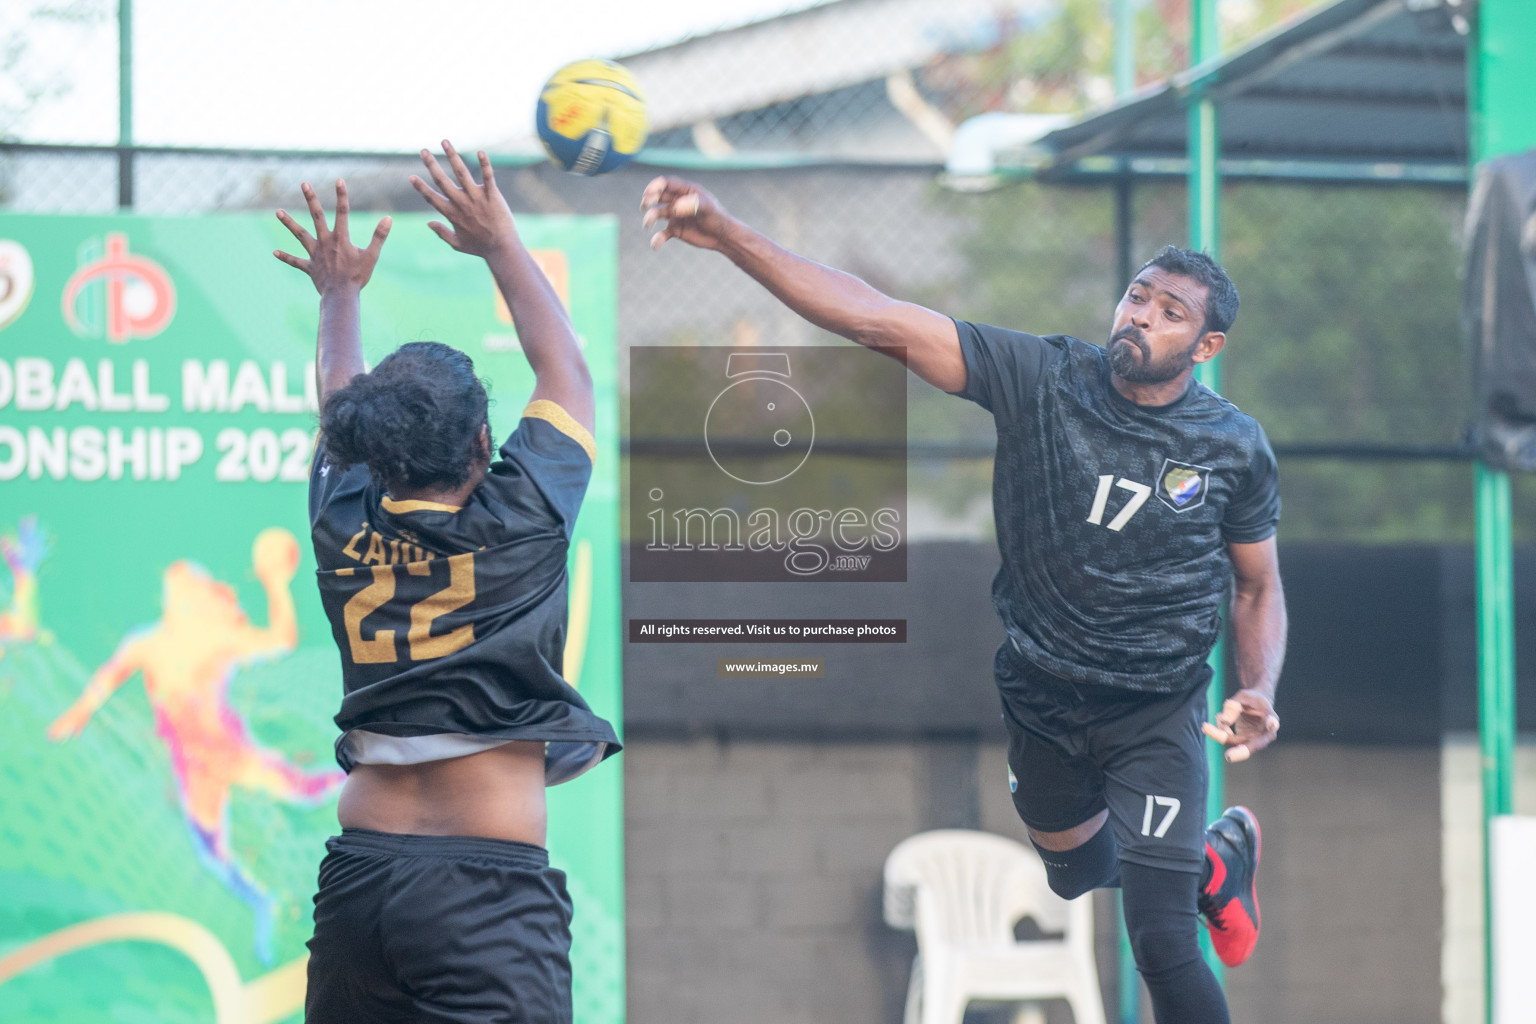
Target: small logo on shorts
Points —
{"points": [[1182, 486], [1013, 781]]}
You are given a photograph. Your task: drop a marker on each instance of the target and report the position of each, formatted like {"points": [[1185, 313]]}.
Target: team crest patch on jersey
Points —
{"points": [[1182, 486]]}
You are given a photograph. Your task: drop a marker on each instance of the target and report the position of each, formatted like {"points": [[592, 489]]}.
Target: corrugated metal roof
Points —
{"points": [[789, 57], [1357, 82]]}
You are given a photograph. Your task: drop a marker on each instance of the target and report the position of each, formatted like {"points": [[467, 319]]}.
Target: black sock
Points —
{"points": [[1093, 865], [1160, 917]]}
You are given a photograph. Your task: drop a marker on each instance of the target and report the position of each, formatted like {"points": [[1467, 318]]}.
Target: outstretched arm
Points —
{"points": [[104, 683], [482, 225], [339, 271], [1247, 722], [831, 299]]}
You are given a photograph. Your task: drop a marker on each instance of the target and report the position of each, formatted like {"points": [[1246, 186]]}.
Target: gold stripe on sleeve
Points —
{"points": [[391, 505], [550, 412]]}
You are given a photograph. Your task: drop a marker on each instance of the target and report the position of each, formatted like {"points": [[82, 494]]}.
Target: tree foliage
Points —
{"points": [[27, 74], [1061, 59]]}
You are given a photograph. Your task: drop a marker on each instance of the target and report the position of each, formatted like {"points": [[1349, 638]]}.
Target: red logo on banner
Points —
{"points": [[140, 298]]}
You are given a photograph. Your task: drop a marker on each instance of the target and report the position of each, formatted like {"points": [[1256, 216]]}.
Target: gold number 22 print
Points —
{"points": [[380, 650]]}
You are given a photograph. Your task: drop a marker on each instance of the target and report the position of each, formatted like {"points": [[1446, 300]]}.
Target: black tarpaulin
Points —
{"points": [[1499, 308]]}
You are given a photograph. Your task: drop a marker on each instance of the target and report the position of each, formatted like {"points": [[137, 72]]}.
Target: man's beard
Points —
{"points": [[1141, 370]]}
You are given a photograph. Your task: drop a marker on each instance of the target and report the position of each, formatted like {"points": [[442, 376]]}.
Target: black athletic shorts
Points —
{"points": [[1075, 749], [429, 929]]}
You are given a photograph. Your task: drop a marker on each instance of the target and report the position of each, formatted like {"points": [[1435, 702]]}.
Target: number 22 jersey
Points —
{"points": [[1113, 518], [451, 622]]}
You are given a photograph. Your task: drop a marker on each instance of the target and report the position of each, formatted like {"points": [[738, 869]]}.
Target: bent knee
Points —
{"points": [[1072, 838], [1085, 865], [1067, 890]]}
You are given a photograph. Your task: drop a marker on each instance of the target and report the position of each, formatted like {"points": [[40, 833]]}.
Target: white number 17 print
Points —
{"points": [[1139, 495], [1170, 802]]}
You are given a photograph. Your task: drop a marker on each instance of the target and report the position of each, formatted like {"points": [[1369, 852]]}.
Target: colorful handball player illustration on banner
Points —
{"points": [[23, 553], [188, 659]]}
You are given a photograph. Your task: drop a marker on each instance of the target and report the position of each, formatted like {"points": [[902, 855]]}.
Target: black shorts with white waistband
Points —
{"points": [[438, 930], [1077, 749]]}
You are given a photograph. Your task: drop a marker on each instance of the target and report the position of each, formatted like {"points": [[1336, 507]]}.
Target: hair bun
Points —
{"points": [[414, 421]]}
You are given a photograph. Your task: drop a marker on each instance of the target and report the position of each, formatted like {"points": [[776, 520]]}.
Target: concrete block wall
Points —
{"points": [[1349, 885], [754, 878], [753, 874]]}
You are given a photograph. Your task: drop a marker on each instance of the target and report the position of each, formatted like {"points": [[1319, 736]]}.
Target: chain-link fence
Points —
{"points": [[826, 126], [1377, 362], [1348, 338]]}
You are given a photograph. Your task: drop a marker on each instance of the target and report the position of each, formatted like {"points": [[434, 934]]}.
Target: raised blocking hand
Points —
{"points": [[1246, 724], [333, 261], [482, 221]]}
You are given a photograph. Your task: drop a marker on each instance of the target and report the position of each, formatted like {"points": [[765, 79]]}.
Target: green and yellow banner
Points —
{"points": [[167, 676]]}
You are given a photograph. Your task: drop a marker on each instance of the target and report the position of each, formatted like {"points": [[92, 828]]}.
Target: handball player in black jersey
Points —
{"points": [[1128, 500], [442, 568]]}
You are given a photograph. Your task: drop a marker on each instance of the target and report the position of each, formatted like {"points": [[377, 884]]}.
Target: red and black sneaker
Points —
{"points": [[1228, 901]]}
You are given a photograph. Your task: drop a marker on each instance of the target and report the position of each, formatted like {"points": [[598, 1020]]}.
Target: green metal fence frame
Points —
{"points": [[1502, 78], [1502, 120], [1205, 235]]}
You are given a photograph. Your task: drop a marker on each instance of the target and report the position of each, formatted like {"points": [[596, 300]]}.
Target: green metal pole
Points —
{"points": [[1205, 235], [125, 104], [1495, 633], [1205, 202], [1501, 69], [1495, 679], [1125, 48], [1125, 83]]}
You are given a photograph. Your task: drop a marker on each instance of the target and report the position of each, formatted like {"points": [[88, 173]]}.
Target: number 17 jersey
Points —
{"points": [[451, 621], [1113, 518]]}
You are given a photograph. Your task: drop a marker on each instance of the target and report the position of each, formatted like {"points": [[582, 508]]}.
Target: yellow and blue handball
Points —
{"points": [[591, 116]]}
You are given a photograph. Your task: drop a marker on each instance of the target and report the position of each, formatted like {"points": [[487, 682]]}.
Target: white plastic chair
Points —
{"points": [[963, 892]]}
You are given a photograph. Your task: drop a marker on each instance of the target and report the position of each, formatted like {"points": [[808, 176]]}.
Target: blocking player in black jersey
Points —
{"points": [[1128, 499], [442, 569]]}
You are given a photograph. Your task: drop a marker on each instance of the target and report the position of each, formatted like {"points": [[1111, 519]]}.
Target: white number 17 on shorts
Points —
{"points": [[1170, 802]]}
